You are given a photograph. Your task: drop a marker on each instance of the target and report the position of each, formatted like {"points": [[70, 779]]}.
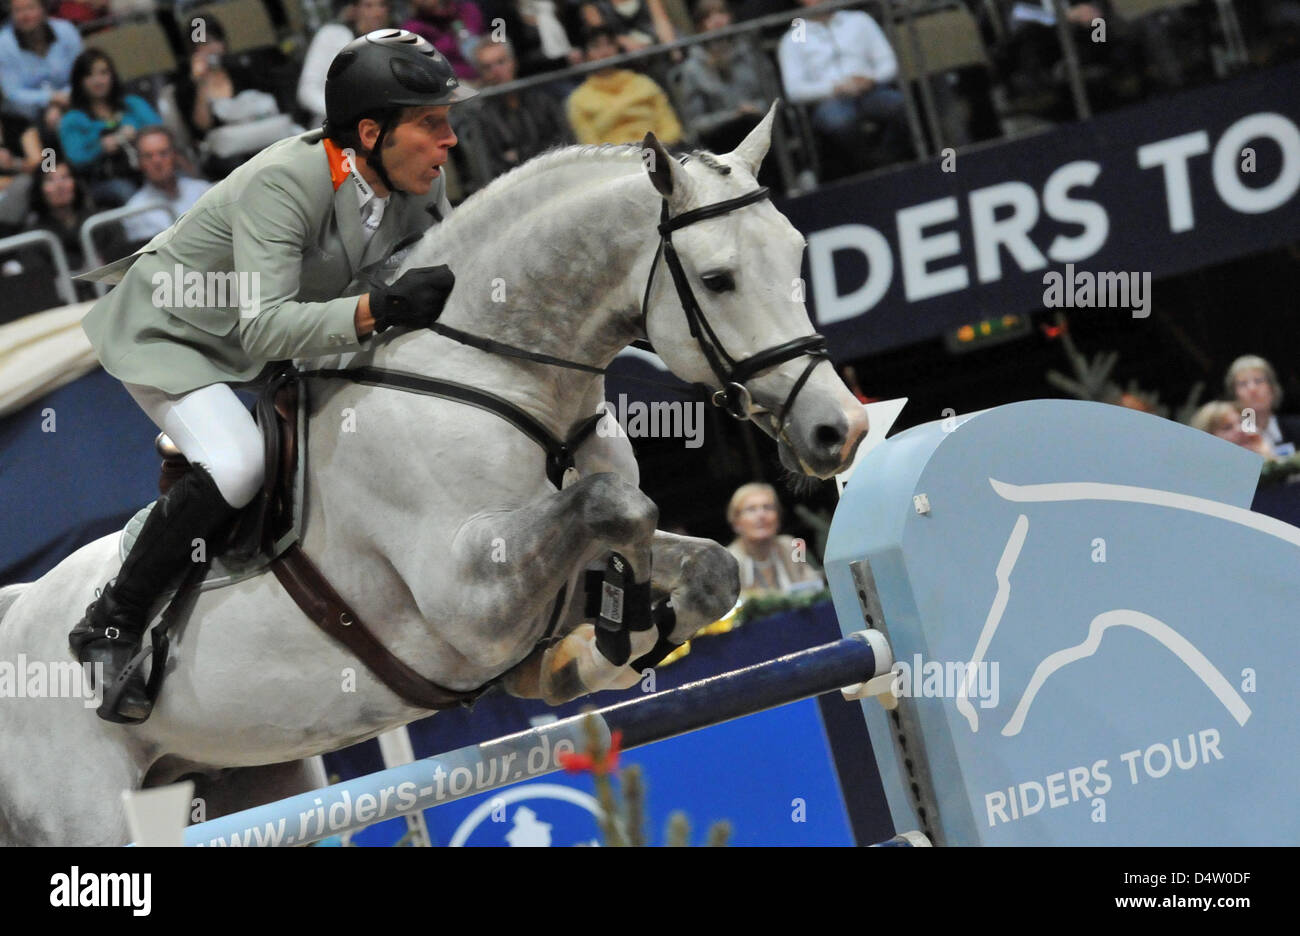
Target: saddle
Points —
{"points": [[268, 525]]}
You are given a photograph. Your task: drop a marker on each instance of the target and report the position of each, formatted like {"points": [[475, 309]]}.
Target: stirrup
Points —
{"points": [[108, 708], [87, 633]]}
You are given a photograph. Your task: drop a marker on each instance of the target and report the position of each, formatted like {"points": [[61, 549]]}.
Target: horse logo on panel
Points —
{"points": [[1160, 631], [1106, 565]]}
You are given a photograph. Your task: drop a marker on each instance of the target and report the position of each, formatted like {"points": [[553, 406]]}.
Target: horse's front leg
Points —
{"points": [[519, 559], [701, 579], [702, 582]]}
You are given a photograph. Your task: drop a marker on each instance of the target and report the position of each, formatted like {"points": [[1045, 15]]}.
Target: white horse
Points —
{"points": [[435, 519]]}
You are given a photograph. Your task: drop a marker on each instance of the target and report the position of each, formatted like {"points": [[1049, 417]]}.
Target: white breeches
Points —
{"points": [[212, 428]]}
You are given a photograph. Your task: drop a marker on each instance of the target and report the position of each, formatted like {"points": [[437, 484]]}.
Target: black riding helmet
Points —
{"points": [[376, 76]]}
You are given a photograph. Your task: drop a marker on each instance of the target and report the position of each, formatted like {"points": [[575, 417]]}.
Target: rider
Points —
{"points": [[277, 256]]}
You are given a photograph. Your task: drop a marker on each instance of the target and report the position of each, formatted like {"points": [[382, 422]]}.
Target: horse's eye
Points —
{"points": [[719, 282]]}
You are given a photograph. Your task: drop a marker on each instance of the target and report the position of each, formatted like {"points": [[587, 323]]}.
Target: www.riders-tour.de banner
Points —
{"points": [[1165, 187]]}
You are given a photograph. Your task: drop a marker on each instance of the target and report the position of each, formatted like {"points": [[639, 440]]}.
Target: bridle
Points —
{"points": [[733, 396]]}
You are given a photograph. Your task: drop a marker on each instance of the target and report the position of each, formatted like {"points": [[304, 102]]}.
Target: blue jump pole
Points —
{"points": [[354, 804], [747, 691]]}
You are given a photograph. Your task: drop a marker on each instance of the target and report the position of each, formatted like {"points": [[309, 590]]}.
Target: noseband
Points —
{"points": [[734, 396]]}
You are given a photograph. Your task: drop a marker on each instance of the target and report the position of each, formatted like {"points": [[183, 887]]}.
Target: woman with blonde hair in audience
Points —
{"points": [[1253, 383], [1222, 419], [769, 561]]}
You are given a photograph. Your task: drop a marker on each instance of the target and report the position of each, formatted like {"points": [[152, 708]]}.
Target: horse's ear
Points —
{"points": [[665, 174], [753, 148]]}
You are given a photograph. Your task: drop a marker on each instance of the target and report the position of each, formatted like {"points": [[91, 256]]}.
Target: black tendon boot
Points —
{"points": [[114, 625]]}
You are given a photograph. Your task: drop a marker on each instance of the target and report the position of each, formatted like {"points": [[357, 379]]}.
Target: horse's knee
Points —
{"points": [[617, 510], [711, 577]]}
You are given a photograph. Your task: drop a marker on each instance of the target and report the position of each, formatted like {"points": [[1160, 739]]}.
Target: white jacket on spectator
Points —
{"points": [[849, 43], [327, 43]]}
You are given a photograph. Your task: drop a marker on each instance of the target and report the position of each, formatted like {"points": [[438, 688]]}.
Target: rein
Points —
{"points": [[559, 452]]}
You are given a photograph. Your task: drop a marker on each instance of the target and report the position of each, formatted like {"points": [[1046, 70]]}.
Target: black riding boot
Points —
{"points": [[114, 625]]}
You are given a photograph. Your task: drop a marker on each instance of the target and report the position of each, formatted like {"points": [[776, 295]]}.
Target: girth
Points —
{"points": [[312, 592]]}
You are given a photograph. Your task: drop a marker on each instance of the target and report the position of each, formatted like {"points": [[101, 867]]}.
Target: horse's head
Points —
{"points": [[727, 306]]}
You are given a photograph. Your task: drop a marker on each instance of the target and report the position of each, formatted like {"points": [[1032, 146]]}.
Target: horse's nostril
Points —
{"points": [[828, 438]]}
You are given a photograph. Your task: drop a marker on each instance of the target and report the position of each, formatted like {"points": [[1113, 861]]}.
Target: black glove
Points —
{"points": [[414, 301]]}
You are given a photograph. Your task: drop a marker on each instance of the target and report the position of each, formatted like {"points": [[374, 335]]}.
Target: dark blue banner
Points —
{"points": [[1129, 197]]}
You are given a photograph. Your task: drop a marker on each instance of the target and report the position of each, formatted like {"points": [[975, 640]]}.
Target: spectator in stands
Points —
{"points": [[157, 150], [99, 130], [1224, 420], [535, 30], [746, 10], [1253, 384], [1028, 58], [769, 562], [81, 12], [60, 204], [842, 64], [20, 155], [225, 106], [47, 128], [36, 55], [615, 105], [451, 26], [637, 24], [514, 127], [721, 82], [355, 18], [1272, 29]]}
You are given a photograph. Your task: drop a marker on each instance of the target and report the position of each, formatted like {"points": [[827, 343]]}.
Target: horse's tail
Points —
{"points": [[8, 595]]}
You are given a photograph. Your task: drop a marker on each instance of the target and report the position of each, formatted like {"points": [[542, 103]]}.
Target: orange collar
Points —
{"points": [[340, 165]]}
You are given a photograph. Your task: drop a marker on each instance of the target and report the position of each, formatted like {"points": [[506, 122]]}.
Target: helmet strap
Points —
{"points": [[376, 158]]}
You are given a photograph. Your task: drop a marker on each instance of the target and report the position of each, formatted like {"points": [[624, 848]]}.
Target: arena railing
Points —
{"points": [[62, 272], [96, 221], [748, 28]]}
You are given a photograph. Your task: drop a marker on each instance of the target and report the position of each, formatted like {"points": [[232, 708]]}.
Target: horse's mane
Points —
{"points": [[523, 190]]}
